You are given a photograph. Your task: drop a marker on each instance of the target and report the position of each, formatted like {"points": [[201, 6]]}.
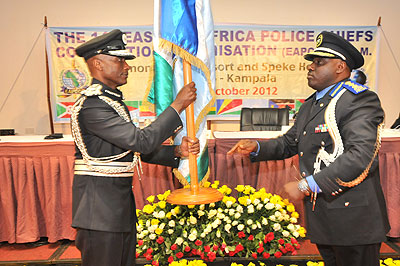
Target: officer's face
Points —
{"points": [[322, 72], [114, 70]]}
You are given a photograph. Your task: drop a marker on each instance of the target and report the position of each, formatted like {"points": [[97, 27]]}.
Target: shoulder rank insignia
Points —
{"points": [[354, 87], [94, 89]]}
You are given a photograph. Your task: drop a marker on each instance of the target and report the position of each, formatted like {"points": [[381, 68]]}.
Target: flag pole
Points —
{"points": [[195, 195], [191, 132]]}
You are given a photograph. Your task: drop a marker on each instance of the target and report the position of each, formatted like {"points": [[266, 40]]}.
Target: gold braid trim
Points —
{"points": [[89, 160], [364, 174]]}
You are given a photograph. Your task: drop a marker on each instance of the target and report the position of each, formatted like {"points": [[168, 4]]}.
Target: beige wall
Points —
{"points": [[21, 21]]}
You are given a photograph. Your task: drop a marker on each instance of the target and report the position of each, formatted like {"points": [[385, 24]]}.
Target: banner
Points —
{"points": [[256, 65]]}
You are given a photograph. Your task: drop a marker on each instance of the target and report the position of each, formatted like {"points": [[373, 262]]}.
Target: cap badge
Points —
{"points": [[319, 40], [124, 39]]}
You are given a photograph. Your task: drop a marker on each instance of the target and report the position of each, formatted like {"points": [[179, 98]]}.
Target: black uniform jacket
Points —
{"points": [[107, 203], [358, 214]]}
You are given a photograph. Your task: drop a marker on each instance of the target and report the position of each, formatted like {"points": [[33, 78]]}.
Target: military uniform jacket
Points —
{"points": [[107, 203], [358, 214]]}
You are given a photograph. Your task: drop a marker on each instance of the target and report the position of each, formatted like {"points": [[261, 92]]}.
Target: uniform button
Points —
{"points": [[303, 174], [322, 143], [346, 203], [304, 133], [301, 153], [296, 140], [321, 104]]}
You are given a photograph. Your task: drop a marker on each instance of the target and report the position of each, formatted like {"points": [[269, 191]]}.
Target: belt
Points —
{"points": [[81, 168]]}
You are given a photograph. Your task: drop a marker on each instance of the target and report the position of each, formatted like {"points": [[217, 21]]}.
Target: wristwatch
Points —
{"points": [[303, 186]]}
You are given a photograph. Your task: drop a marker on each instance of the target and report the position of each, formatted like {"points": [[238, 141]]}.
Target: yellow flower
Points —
{"points": [[243, 200], [148, 209], [240, 188], [158, 231], [160, 196], [248, 190], [295, 214], [162, 204], [207, 184], [155, 221], [290, 207], [191, 206], [141, 222], [177, 210], [151, 198], [168, 215], [216, 184]]}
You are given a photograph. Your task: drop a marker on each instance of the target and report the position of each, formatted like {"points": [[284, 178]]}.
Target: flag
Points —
{"points": [[184, 30]]}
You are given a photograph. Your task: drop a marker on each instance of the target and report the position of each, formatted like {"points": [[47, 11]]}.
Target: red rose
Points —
{"points": [[137, 254], [283, 250], [260, 249], [149, 257], [198, 242], [160, 240], [241, 234], [174, 247], [223, 246], [149, 251], [231, 253], [297, 246], [179, 255], [215, 247], [254, 255], [289, 247], [239, 248], [251, 237], [269, 237], [170, 259], [187, 249], [294, 252], [281, 241], [260, 244], [154, 262], [212, 256], [266, 255], [293, 240], [140, 242], [278, 254], [207, 248]]}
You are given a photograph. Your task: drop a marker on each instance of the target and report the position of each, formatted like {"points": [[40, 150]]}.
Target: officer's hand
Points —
{"points": [[186, 96], [293, 191], [244, 146], [189, 146]]}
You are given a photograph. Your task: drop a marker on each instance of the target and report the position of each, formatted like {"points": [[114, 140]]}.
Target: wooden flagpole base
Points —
{"points": [[185, 196]]}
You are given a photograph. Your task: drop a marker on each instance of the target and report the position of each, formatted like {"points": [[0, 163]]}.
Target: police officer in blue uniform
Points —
{"points": [[108, 150], [337, 137]]}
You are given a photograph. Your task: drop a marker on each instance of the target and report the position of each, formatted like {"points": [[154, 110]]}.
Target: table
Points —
{"points": [[232, 170], [36, 180], [36, 188]]}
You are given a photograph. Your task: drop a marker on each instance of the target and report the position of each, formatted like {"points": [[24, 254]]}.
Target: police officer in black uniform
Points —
{"points": [[337, 137], [109, 149]]}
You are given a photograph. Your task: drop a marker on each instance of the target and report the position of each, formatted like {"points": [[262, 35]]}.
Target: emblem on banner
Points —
{"points": [[73, 81], [321, 128]]}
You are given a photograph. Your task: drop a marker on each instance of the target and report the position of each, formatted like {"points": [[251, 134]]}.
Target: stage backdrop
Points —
{"points": [[256, 65]]}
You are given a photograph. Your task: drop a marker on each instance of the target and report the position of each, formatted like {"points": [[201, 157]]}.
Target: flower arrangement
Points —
{"points": [[255, 225]]}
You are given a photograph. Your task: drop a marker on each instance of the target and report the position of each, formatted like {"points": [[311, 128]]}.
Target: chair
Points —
{"points": [[263, 119]]}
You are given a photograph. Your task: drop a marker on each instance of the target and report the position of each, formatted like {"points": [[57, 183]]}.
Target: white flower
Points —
{"points": [[228, 221], [258, 224], [161, 214], [250, 208], [148, 223], [290, 227], [212, 213], [216, 223], [193, 220], [231, 212], [220, 210], [184, 234], [240, 227], [269, 206], [161, 226], [254, 226], [182, 221], [285, 233], [239, 208], [277, 227], [264, 221], [226, 211], [203, 235], [259, 206], [218, 234], [228, 228], [171, 223], [296, 234], [272, 218], [286, 217], [170, 231], [179, 241], [220, 216], [192, 237], [202, 207], [278, 214], [249, 222], [200, 213], [234, 223], [256, 201], [248, 201], [173, 212], [278, 206], [293, 220], [208, 229], [237, 215], [152, 236], [266, 200], [212, 205], [229, 203]]}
